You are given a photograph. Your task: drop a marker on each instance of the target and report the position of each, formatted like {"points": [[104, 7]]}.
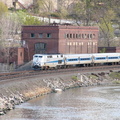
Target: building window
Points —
{"points": [[67, 35], [20, 54], [41, 35], [48, 35], [73, 35], [40, 48], [76, 35], [90, 36], [83, 36], [80, 36], [93, 36], [32, 35]]}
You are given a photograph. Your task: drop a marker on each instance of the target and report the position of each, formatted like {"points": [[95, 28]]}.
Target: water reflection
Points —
{"points": [[86, 103]]}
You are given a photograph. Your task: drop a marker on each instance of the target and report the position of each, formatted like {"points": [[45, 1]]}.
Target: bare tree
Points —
{"points": [[9, 27]]}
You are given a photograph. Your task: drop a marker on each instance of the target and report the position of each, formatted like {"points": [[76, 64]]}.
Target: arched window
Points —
{"points": [[40, 48]]}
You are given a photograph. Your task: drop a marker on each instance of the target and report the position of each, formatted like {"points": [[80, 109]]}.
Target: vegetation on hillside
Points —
{"points": [[10, 28], [103, 13]]}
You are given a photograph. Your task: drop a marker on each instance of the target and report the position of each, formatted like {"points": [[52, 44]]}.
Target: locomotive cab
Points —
{"points": [[38, 61]]}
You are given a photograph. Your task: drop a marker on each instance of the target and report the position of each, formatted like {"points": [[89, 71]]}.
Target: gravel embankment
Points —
{"points": [[18, 91]]}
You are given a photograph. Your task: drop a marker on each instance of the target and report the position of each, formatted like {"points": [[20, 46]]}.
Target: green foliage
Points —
{"points": [[93, 77], [116, 82], [103, 50], [3, 8], [21, 15], [30, 20], [26, 19], [115, 75], [74, 78], [56, 15]]}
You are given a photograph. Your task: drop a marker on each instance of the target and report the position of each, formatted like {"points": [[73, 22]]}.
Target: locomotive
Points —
{"points": [[46, 61]]}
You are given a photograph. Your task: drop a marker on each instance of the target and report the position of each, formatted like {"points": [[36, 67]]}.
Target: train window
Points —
{"points": [[85, 59], [49, 56], [100, 58], [113, 57], [59, 61], [40, 56], [35, 56], [72, 60]]}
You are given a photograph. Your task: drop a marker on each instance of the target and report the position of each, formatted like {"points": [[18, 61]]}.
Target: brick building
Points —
{"points": [[16, 55], [18, 4], [64, 39]]}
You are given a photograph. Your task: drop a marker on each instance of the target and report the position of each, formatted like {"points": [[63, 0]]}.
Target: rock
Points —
{"points": [[2, 113], [57, 90]]}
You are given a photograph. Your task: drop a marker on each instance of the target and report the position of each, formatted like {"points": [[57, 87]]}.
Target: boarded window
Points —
{"points": [[41, 35], [40, 48]]}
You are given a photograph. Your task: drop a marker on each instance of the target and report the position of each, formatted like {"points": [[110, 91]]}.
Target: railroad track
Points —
{"points": [[32, 73]]}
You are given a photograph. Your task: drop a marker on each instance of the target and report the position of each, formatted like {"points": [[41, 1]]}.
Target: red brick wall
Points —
{"points": [[61, 41], [75, 44], [16, 56], [20, 59]]}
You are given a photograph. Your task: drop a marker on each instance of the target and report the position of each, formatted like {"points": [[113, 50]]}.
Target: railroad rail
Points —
{"points": [[32, 73]]}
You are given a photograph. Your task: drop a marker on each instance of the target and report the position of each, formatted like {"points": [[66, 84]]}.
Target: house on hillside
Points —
{"points": [[54, 5], [18, 4]]}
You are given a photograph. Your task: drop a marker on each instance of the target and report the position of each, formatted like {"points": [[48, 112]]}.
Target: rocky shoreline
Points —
{"points": [[19, 91]]}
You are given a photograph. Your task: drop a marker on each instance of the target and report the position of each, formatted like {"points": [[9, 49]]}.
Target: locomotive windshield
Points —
{"points": [[38, 56]]}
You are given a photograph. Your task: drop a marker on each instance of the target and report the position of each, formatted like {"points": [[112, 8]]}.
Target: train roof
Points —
{"points": [[89, 54], [105, 53], [47, 54]]}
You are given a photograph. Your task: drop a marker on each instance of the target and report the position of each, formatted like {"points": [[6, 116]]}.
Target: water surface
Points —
{"points": [[85, 103]]}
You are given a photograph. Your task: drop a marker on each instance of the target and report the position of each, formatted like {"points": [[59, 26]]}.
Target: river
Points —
{"points": [[84, 103]]}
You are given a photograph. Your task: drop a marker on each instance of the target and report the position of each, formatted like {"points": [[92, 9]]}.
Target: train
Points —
{"points": [[48, 61]]}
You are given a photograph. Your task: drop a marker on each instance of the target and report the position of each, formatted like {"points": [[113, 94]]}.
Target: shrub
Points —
{"points": [[74, 78], [115, 75]]}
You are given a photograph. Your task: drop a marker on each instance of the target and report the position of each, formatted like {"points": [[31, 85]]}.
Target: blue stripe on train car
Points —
{"points": [[100, 58], [54, 61], [72, 59], [77, 59], [113, 57], [85, 59]]}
